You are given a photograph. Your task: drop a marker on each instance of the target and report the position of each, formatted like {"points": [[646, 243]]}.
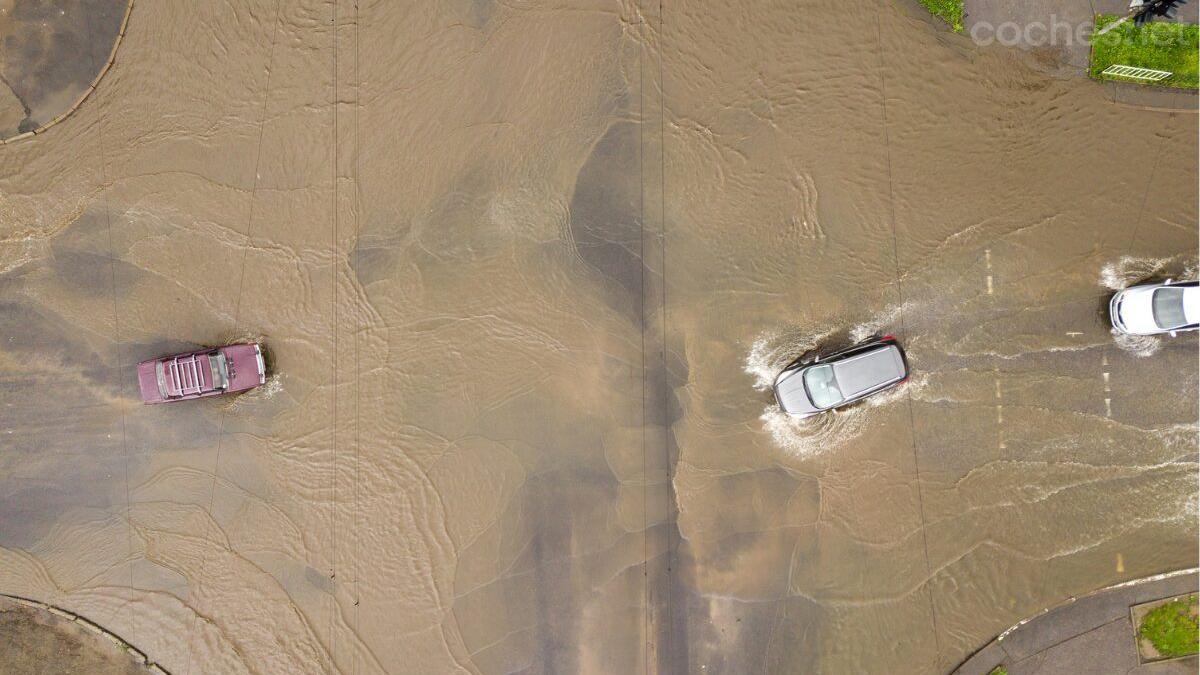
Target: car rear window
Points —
{"points": [[1168, 308]]}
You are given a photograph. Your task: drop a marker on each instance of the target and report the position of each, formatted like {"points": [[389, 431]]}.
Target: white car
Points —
{"points": [[1168, 307]]}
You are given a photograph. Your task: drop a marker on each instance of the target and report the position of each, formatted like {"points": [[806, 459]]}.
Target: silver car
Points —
{"points": [[812, 385], [1149, 309]]}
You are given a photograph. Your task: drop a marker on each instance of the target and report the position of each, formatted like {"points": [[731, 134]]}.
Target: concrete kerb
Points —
{"points": [[112, 57], [91, 626], [1123, 595]]}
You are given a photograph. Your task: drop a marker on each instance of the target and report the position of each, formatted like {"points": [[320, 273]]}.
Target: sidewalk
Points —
{"points": [[1091, 634]]}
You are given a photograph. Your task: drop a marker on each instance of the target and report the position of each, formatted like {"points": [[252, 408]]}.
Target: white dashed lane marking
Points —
{"points": [[1107, 386], [999, 408], [987, 253]]}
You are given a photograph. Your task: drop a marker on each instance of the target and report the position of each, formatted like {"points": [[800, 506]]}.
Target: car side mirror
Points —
{"points": [[1174, 334]]}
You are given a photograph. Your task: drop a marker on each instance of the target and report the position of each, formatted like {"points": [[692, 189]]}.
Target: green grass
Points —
{"points": [[999, 670], [1171, 628], [1157, 45], [950, 11]]}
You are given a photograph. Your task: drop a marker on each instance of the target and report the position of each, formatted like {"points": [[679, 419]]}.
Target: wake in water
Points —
{"points": [[771, 352], [1129, 271], [264, 392], [812, 435], [1139, 345], [876, 325]]}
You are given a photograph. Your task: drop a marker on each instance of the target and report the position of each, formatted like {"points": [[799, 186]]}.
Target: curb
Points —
{"points": [[112, 57]]}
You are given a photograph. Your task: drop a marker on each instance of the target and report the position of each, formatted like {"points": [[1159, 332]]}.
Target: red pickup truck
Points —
{"points": [[204, 372]]}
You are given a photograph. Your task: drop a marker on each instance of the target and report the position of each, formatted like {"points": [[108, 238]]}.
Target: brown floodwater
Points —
{"points": [[525, 271]]}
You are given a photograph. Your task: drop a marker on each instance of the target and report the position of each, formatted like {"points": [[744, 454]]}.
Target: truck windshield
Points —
{"points": [[220, 370], [822, 387], [1168, 308]]}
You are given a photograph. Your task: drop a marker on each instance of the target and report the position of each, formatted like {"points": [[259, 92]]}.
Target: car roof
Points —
{"points": [[869, 369], [1191, 304], [1137, 307]]}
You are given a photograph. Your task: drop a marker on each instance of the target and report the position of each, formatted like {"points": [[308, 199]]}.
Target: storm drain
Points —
{"points": [[1135, 73]]}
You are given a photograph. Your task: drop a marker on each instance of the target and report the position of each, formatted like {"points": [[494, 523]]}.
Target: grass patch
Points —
{"points": [[1156, 45], [950, 11], [1172, 628], [999, 670]]}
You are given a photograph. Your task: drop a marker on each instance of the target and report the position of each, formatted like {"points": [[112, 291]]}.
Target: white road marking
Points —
{"points": [[999, 408], [1107, 387], [987, 254]]}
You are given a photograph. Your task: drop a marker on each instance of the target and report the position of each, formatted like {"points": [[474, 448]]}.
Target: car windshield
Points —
{"points": [[822, 387], [1168, 308]]}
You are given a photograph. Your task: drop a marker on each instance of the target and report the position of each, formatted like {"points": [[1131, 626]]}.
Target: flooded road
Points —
{"points": [[525, 272]]}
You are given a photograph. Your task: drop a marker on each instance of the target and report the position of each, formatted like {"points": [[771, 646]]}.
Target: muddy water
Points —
{"points": [[50, 55], [525, 271]]}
